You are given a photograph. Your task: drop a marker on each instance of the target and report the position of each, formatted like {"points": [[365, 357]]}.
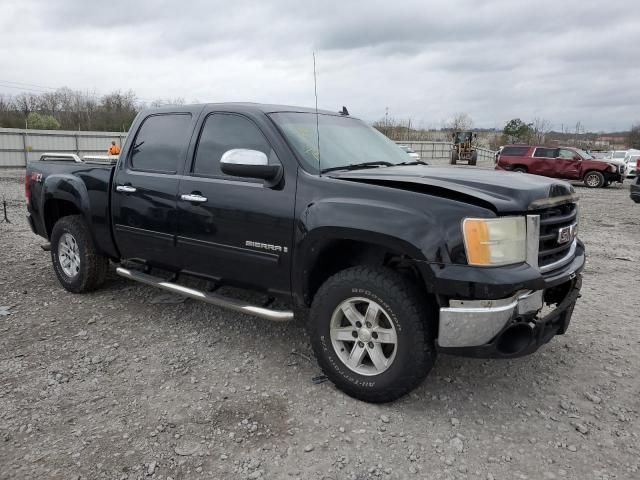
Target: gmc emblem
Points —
{"points": [[566, 234]]}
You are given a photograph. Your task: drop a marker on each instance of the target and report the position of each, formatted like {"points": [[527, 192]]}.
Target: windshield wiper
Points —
{"points": [[415, 162], [356, 166]]}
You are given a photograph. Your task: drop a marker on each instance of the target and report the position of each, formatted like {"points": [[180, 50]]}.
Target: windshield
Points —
{"points": [[344, 141], [619, 154], [462, 137]]}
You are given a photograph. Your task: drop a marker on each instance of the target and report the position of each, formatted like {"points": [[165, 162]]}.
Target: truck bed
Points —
{"points": [[59, 185]]}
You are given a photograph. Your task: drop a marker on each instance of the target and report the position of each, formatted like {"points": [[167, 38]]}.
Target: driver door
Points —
{"points": [[568, 164], [235, 230]]}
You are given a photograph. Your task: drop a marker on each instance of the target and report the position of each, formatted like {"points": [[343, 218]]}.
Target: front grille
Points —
{"points": [[551, 221], [621, 168]]}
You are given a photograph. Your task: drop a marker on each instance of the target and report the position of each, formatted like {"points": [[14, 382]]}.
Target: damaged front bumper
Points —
{"points": [[509, 327]]}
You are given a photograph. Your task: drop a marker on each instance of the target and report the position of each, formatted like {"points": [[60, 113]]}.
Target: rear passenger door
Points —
{"points": [[145, 187], [240, 230]]}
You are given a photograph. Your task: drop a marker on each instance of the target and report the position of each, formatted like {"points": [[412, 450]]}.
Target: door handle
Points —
{"points": [[125, 188], [193, 197]]}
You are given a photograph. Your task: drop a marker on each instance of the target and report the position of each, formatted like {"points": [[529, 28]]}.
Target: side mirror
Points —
{"points": [[242, 162]]}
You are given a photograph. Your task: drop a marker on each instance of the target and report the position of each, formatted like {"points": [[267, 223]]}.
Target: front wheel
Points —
{"points": [[78, 266], [455, 156], [594, 179], [372, 333]]}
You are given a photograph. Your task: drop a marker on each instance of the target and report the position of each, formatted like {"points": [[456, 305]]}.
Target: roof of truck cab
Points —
{"points": [[245, 106]]}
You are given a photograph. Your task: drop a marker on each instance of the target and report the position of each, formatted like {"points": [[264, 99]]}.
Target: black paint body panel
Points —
{"points": [[415, 211]]}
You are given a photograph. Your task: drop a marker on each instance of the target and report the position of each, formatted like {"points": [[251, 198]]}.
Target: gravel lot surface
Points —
{"points": [[130, 383]]}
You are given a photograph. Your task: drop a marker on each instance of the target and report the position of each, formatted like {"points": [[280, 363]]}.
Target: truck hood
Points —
{"points": [[500, 191]]}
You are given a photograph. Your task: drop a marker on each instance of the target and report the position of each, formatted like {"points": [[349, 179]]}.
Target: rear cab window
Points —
{"points": [[161, 143]]}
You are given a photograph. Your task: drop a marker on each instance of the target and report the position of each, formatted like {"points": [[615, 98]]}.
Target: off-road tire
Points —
{"points": [[93, 266], [411, 315], [474, 158], [454, 157], [594, 179]]}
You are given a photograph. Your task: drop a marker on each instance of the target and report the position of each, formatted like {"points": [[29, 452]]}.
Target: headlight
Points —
{"points": [[495, 241]]}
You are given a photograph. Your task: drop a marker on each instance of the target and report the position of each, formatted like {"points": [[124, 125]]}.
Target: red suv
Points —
{"points": [[565, 162]]}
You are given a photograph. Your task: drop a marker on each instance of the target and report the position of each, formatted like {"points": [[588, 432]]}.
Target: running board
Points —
{"points": [[224, 302]]}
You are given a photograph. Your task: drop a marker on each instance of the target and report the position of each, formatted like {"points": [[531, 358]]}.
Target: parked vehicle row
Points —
{"points": [[567, 163], [394, 261]]}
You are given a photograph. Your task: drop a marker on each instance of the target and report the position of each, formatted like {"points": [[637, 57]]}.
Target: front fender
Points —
{"points": [[396, 228]]}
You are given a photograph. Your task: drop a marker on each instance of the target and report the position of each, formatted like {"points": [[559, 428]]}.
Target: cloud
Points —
{"points": [[564, 61]]}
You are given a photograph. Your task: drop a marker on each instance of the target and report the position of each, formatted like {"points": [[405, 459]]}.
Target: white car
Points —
{"points": [[410, 151], [616, 154], [632, 159]]}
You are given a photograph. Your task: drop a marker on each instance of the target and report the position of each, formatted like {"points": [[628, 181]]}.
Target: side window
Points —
{"points": [[222, 132], [161, 142], [514, 151], [569, 154], [545, 152]]}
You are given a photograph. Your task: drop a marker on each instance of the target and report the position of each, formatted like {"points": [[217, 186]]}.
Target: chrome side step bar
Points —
{"points": [[224, 302]]}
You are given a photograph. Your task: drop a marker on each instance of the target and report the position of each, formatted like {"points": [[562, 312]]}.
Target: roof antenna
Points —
{"points": [[315, 90]]}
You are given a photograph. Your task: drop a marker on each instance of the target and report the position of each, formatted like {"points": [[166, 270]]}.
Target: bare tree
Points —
{"points": [[27, 103], [539, 129], [459, 123]]}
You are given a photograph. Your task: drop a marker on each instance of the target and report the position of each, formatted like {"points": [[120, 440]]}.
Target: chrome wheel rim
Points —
{"points": [[593, 180], [363, 336], [69, 255]]}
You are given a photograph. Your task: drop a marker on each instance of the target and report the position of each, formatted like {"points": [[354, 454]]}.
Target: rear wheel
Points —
{"points": [[372, 334], [474, 158], [520, 170], [594, 179], [77, 264]]}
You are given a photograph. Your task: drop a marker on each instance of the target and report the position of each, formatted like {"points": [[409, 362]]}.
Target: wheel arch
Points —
{"points": [[64, 195], [330, 250]]}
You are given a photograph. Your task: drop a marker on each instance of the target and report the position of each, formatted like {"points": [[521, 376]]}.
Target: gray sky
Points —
{"points": [[563, 60]]}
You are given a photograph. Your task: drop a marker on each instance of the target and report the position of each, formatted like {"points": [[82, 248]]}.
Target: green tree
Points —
{"points": [[42, 121], [517, 130]]}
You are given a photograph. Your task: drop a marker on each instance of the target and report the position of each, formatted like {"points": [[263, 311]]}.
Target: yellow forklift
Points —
{"points": [[464, 148]]}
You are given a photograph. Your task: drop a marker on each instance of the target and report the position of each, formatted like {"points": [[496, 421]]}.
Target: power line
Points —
{"points": [[27, 84], [53, 89]]}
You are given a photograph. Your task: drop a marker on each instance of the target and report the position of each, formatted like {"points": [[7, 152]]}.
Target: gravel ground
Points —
{"points": [[129, 383]]}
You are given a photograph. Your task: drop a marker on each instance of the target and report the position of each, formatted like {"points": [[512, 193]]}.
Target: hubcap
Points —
{"points": [[363, 336], [69, 255], [592, 180]]}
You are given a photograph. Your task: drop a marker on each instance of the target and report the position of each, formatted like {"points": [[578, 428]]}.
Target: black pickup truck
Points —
{"points": [[387, 259]]}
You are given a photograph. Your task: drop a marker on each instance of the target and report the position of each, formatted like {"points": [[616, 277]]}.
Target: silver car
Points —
{"points": [[410, 151]]}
